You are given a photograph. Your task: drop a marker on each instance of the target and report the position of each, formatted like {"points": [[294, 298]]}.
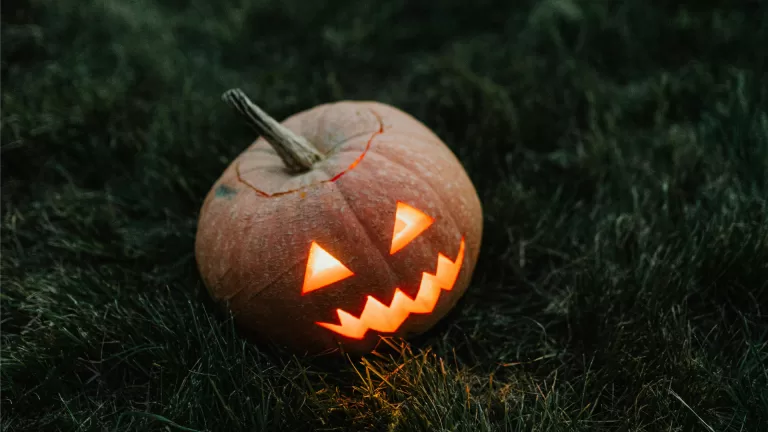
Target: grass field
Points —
{"points": [[620, 149]]}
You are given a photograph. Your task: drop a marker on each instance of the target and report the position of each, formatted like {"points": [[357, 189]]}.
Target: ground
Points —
{"points": [[620, 150]]}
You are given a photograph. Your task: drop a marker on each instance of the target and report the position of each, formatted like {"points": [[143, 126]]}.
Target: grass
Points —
{"points": [[620, 150]]}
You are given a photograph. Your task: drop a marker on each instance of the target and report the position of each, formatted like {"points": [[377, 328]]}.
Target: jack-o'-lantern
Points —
{"points": [[346, 222]]}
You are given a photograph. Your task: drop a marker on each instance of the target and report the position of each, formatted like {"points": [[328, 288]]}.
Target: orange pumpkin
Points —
{"points": [[348, 221]]}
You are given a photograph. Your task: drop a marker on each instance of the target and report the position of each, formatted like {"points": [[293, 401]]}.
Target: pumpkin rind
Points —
{"points": [[253, 242]]}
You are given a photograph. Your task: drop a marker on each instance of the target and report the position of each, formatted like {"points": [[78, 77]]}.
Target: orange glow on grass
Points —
{"points": [[409, 223], [322, 269], [387, 319]]}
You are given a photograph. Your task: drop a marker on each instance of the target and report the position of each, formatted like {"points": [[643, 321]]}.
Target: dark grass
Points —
{"points": [[620, 150]]}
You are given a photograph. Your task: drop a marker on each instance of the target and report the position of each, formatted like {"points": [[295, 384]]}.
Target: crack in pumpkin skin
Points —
{"points": [[332, 179], [379, 317]]}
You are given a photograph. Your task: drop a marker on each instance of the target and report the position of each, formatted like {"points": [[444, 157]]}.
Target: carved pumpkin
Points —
{"points": [[346, 222]]}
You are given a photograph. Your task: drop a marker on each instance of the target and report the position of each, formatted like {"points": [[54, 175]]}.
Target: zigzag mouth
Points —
{"points": [[387, 319]]}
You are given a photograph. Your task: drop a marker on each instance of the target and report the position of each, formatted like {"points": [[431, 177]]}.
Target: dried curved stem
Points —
{"points": [[296, 152]]}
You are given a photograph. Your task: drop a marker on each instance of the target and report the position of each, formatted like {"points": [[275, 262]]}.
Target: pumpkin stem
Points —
{"points": [[295, 151]]}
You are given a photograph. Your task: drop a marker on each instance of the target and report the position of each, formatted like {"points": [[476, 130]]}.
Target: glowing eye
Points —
{"points": [[409, 223], [322, 270]]}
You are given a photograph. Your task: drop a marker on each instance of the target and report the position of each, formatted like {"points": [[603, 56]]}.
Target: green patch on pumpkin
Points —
{"points": [[226, 192]]}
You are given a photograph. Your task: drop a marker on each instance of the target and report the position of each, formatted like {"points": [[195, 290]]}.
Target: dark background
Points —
{"points": [[619, 148]]}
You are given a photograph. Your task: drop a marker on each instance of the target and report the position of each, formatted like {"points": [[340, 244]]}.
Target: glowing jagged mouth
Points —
{"points": [[387, 319]]}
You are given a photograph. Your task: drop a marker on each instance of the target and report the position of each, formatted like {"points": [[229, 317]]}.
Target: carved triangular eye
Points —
{"points": [[409, 223], [323, 269]]}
